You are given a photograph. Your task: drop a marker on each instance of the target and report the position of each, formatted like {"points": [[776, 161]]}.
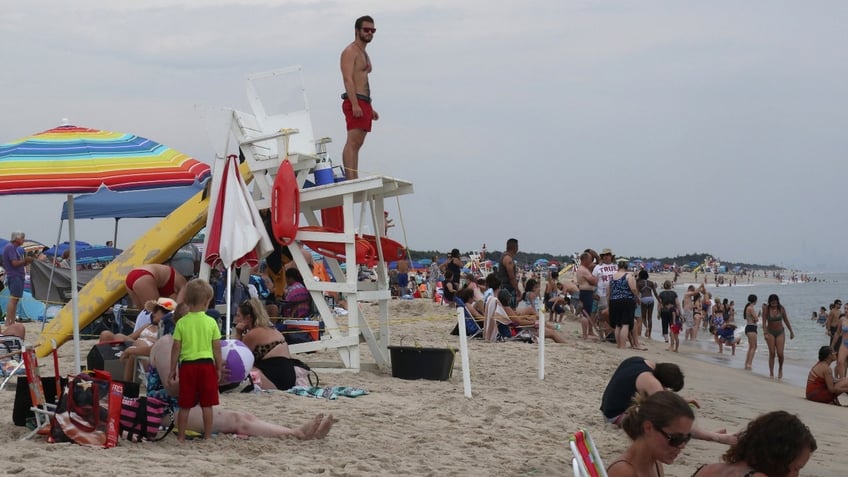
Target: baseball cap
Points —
{"points": [[166, 303]]}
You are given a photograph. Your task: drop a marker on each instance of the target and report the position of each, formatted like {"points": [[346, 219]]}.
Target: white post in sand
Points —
{"points": [[541, 343], [463, 352]]}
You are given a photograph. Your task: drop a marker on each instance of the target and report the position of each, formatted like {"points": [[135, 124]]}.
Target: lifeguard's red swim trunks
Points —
{"points": [[363, 122]]}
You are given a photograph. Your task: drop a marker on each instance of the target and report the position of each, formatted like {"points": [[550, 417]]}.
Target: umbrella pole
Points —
{"points": [[52, 270], [74, 291], [229, 299]]}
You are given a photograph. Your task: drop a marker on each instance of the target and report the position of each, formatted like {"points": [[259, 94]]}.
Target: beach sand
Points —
{"points": [[515, 424]]}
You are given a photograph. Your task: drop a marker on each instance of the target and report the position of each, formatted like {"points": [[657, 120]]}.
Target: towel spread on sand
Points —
{"points": [[330, 392]]}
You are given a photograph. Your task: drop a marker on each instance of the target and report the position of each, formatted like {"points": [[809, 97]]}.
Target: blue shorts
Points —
{"points": [[587, 298], [16, 286]]}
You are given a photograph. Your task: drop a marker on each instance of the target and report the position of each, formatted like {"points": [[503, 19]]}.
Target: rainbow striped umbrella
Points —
{"points": [[76, 160]]}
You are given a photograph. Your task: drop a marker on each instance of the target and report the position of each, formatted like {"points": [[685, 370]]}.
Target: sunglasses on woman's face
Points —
{"points": [[676, 440]]}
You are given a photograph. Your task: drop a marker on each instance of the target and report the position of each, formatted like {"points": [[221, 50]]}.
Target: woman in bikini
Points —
{"points": [[271, 357], [149, 282], [774, 317], [647, 297], [751, 319], [776, 444], [660, 425], [144, 337]]}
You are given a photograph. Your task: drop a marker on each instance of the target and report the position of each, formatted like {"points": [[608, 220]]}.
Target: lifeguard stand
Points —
{"points": [[276, 130]]}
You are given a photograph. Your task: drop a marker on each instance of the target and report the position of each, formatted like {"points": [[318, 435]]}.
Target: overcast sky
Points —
{"points": [[653, 128]]}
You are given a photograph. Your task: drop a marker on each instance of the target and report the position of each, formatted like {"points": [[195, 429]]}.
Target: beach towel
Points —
{"points": [[332, 393]]}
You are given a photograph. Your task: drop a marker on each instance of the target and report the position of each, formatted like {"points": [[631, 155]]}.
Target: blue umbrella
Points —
{"points": [[58, 250]]}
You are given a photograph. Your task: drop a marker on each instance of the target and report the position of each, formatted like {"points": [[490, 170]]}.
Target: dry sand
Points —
{"points": [[515, 424]]}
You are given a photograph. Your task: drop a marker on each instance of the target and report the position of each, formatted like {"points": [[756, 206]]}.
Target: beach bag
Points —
{"points": [[83, 413], [145, 419], [303, 374]]}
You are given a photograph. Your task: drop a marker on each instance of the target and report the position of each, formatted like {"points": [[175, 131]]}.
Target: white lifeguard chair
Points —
{"points": [[280, 128]]}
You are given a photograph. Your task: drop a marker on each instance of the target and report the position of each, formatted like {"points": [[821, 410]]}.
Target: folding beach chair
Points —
{"points": [[587, 461], [40, 407], [11, 362]]}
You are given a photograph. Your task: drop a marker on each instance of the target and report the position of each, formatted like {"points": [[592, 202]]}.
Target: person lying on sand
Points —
{"points": [[225, 420], [636, 374]]}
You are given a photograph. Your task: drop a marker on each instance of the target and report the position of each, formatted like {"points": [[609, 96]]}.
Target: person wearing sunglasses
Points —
{"points": [[776, 444], [660, 426], [356, 100]]}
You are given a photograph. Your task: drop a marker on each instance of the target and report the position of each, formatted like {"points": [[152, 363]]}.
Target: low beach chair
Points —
{"points": [[11, 361], [587, 461], [40, 407]]}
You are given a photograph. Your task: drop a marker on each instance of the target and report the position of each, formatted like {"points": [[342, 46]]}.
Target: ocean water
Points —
{"points": [[800, 301]]}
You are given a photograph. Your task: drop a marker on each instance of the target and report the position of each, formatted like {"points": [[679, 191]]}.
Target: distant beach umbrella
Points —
{"points": [[76, 160]]}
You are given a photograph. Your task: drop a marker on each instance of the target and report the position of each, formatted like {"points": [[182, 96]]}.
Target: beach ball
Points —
{"points": [[238, 360]]}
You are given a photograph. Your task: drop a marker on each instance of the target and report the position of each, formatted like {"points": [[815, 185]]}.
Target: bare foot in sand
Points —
{"points": [[308, 430], [325, 426], [317, 428]]}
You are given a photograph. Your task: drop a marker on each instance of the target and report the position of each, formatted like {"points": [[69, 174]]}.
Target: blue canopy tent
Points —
{"points": [[136, 204]]}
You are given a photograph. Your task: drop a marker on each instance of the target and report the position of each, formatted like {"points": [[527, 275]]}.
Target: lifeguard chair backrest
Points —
{"points": [[285, 204]]}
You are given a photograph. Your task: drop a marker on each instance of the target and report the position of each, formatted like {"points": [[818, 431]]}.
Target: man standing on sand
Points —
{"points": [[586, 283], [506, 270], [356, 100], [604, 272], [15, 261]]}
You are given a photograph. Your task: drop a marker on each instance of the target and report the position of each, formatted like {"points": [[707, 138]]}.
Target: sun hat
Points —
{"points": [[606, 251], [166, 304]]}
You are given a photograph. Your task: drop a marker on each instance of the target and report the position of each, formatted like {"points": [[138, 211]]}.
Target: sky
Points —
{"points": [[655, 128]]}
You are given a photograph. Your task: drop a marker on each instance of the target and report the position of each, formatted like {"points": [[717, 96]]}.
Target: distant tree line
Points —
{"points": [[530, 257]]}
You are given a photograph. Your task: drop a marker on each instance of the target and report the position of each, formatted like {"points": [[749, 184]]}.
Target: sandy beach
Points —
{"points": [[515, 424]]}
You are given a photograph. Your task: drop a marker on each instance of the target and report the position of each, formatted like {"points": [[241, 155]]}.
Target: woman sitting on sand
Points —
{"points": [[774, 317], [821, 386], [660, 426], [271, 357], [776, 444], [224, 420], [144, 337]]}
